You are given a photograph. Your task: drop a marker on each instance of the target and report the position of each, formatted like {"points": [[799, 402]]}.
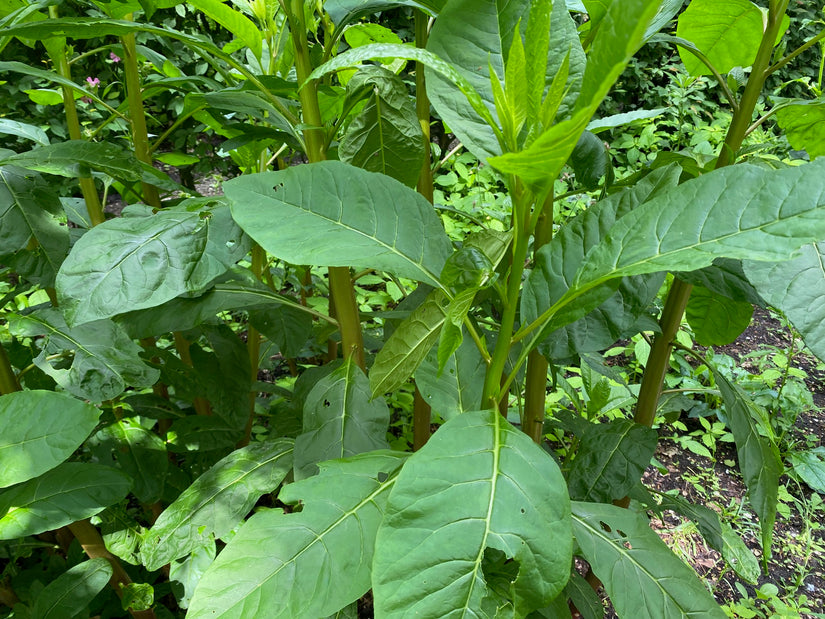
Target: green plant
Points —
{"points": [[480, 520]]}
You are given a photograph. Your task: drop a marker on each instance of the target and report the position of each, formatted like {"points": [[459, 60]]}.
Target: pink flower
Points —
{"points": [[114, 57], [93, 82]]}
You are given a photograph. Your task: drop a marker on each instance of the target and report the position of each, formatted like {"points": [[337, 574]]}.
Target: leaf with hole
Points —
{"points": [[478, 488], [634, 564], [340, 420]]}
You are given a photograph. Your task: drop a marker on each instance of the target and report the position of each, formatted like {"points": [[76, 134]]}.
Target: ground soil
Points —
{"points": [[797, 565]]}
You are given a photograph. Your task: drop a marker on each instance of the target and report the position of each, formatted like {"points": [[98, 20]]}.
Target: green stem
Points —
{"points": [[422, 413], [535, 391], [659, 360], [140, 135], [87, 183], [493, 392], [8, 380], [340, 282], [802, 48]]}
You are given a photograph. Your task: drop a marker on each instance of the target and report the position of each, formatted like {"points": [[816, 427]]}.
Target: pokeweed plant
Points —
{"points": [[480, 521]]}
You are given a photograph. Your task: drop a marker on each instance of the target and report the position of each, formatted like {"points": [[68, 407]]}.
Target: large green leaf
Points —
{"points": [[643, 578], [385, 136], [610, 460], [333, 214], [30, 209], [236, 289], [715, 319], [556, 265], [24, 130], [358, 55], [739, 212], [132, 263], [67, 596], [72, 491], [620, 34], [809, 465], [184, 575], [759, 459], [234, 21], [77, 157], [797, 287], [727, 32], [725, 277], [457, 389], [478, 491], [718, 534], [340, 420], [307, 564], [106, 361], [39, 430], [217, 501], [409, 344], [139, 452], [475, 36], [804, 124], [343, 12]]}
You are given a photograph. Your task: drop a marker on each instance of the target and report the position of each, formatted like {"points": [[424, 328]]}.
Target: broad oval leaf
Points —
{"points": [[75, 158], [106, 361], [727, 32], [610, 460], [343, 12], [809, 465], [307, 564], [72, 491], [24, 130], [333, 214], [385, 136], [139, 452], [741, 211], [217, 501], [69, 593], [30, 209], [556, 265], [635, 565], [340, 420], [797, 287], [39, 430], [132, 263], [715, 319], [478, 490], [804, 124]]}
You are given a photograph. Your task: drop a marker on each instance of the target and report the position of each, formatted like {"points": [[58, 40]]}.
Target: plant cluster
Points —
{"points": [[208, 402]]}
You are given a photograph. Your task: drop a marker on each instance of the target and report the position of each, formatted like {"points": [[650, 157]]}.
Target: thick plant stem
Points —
{"points": [[492, 393], [677, 300], [659, 360], [87, 183], [535, 392], [422, 413], [202, 406], [140, 136], [8, 379], [90, 540], [340, 282], [7, 596]]}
